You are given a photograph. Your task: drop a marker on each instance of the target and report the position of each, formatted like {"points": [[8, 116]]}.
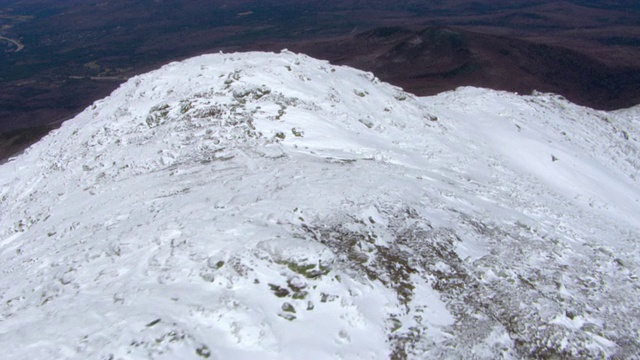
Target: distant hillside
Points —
{"points": [[433, 60], [77, 51]]}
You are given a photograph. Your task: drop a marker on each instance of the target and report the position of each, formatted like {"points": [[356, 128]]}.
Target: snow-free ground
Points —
{"points": [[274, 206]]}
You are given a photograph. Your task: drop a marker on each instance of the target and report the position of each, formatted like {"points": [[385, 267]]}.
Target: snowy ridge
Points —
{"points": [[276, 206]]}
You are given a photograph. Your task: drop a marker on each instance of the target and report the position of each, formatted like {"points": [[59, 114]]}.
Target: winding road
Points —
{"points": [[17, 43]]}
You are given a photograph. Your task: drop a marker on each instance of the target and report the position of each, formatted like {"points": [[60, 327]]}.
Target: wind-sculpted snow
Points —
{"points": [[274, 206]]}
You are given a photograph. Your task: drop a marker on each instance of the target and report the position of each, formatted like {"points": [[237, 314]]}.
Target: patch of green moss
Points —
{"points": [[279, 291], [395, 324], [280, 135], [360, 93], [287, 307], [203, 351], [299, 295], [185, 106], [157, 115], [310, 271]]}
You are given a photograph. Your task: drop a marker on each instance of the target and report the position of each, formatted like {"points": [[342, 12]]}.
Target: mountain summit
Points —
{"points": [[274, 206]]}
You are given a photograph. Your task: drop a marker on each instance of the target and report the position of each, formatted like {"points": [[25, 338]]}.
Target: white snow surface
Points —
{"points": [[275, 206]]}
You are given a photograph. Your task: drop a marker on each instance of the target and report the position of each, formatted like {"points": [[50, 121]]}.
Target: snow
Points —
{"points": [[276, 206]]}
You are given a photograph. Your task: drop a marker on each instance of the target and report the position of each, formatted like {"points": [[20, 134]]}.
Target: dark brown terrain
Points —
{"points": [[58, 57], [434, 59]]}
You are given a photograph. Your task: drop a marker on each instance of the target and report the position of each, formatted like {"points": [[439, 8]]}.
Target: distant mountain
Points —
{"points": [[274, 206], [435, 59], [59, 56]]}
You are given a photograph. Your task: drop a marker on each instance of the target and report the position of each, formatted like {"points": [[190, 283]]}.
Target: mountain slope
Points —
{"points": [[274, 205]]}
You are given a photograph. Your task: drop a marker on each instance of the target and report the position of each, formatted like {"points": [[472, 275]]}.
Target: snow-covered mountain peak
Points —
{"points": [[277, 206]]}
